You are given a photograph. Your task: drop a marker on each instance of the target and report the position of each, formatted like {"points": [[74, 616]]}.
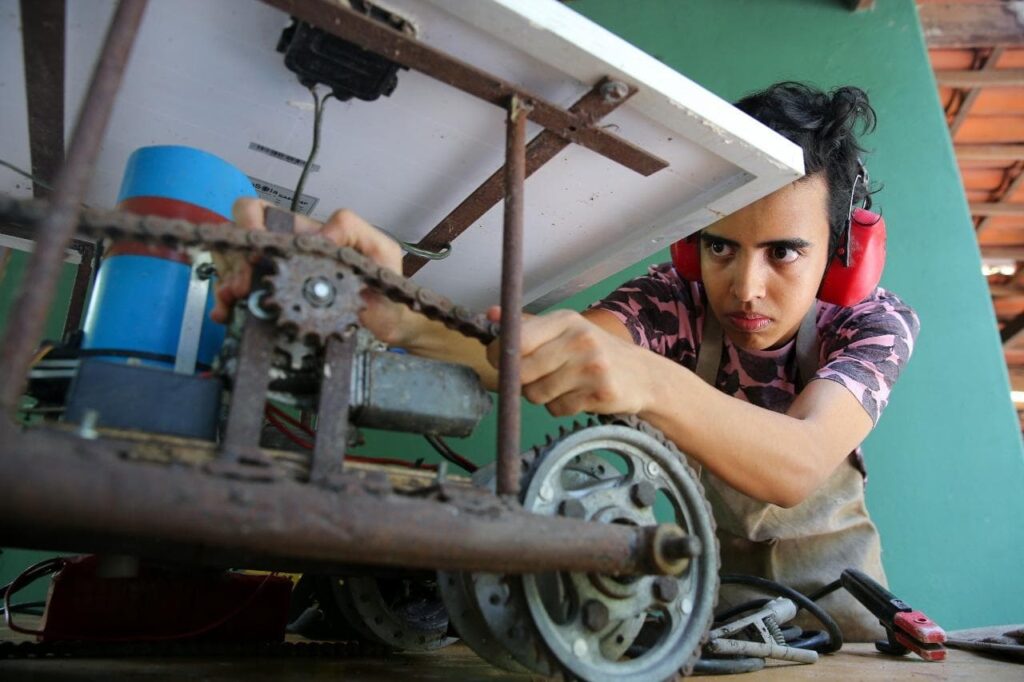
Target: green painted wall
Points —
{"points": [[947, 471], [14, 561]]}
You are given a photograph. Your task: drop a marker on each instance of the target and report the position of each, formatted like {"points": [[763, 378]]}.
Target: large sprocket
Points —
{"points": [[596, 627]]}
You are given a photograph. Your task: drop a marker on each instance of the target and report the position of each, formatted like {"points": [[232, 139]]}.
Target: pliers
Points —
{"points": [[908, 630]]}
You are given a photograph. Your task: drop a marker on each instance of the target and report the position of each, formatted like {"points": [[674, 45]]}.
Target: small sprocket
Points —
{"points": [[313, 297]]}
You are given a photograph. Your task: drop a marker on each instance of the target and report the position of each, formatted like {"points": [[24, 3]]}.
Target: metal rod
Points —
{"points": [[400, 48], [600, 100], [333, 410], [509, 384], [87, 498], [42, 40], [83, 280], [39, 284], [249, 392]]}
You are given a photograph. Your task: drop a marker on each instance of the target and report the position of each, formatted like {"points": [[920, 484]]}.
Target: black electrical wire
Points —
{"points": [[32, 608], [26, 174], [445, 451], [318, 114]]}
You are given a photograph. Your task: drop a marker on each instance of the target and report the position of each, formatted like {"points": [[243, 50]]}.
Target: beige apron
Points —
{"points": [[807, 546]]}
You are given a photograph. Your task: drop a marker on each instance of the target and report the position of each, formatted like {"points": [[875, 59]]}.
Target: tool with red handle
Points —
{"points": [[908, 630]]}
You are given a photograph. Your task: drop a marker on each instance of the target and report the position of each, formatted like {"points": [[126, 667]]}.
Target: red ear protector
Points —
{"points": [[853, 273]]}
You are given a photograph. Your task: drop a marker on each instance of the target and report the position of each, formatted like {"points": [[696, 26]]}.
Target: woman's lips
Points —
{"points": [[749, 323]]}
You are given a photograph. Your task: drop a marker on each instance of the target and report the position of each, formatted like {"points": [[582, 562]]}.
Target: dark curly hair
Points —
{"points": [[825, 125]]}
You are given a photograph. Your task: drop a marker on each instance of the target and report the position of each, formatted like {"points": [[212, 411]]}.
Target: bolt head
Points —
{"points": [[595, 615], [572, 508], [614, 91], [665, 588], [643, 494], [653, 470], [318, 291]]}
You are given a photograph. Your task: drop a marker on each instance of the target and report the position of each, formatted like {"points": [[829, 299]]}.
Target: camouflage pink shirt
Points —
{"points": [[863, 347]]}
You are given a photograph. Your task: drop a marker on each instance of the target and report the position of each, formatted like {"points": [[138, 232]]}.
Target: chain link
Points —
{"points": [[97, 224]]}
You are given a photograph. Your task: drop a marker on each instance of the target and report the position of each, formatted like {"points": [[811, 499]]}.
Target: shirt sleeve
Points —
{"points": [[866, 346], [659, 311]]}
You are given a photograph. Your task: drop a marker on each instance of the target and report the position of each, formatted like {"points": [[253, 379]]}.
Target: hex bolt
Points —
{"points": [[572, 508], [614, 91], [665, 588], [686, 547], [595, 615], [643, 494], [318, 291]]}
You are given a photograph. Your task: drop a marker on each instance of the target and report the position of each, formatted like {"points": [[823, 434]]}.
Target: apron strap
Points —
{"points": [[709, 357]]}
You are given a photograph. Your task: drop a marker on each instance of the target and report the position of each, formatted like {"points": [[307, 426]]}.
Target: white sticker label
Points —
{"points": [[282, 196], [287, 158]]}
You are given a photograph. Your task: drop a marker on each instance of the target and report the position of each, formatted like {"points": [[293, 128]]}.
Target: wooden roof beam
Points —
{"points": [[988, 78], [1003, 153], [968, 25], [987, 208]]}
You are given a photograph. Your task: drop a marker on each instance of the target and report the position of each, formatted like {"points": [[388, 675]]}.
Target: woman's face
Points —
{"points": [[762, 265]]}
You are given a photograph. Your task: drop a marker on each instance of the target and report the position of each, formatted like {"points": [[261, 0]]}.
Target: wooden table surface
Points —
{"points": [[458, 662]]}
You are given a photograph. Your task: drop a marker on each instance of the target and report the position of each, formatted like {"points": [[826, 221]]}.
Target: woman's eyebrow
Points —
{"points": [[794, 243], [706, 237]]}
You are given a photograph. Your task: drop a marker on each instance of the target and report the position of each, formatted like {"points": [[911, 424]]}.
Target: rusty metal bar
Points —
{"points": [[249, 393], [87, 498], [80, 289], [599, 101], [39, 283], [333, 411], [42, 43], [509, 384], [402, 49]]}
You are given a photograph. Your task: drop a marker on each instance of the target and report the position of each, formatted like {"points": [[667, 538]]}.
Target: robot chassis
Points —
{"points": [[552, 562]]}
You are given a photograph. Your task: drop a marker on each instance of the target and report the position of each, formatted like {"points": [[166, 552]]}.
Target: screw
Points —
{"points": [[686, 547], [579, 647], [653, 470], [614, 91], [595, 615], [572, 508], [642, 494], [665, 588], [87, 428], [205, 271], [318, 291]]}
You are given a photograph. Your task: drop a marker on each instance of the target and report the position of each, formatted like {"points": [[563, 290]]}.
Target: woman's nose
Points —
{"points": [[748, 279]]}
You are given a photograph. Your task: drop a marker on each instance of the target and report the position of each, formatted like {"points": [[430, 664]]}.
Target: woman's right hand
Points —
{"points": [[390, 322]]}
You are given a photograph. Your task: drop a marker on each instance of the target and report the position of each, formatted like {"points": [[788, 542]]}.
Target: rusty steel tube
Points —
{"points": [[75, 494], [509, 384], [54, 233]]}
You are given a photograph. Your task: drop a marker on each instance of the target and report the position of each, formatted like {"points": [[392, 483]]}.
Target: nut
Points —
{"points": [[614, 91], [595, 615], [572, 508], [643, 494], [665, 588]]}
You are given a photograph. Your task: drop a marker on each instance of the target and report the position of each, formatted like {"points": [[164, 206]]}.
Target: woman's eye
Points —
{"points": [[718, 248], [784, 254]]}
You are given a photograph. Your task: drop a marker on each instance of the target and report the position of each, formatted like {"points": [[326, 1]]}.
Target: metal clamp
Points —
{"points": [[765, 624]]}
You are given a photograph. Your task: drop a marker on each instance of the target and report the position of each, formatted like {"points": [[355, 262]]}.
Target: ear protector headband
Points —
{"points": [[851, 275]]}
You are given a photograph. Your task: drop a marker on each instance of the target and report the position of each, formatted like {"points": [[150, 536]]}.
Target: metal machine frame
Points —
{"points": [[233, 503]]}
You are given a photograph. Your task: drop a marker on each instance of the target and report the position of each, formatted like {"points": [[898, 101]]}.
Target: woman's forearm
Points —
{"points": [[769, 456]]}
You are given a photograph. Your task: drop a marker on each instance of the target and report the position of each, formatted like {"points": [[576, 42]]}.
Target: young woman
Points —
{"points": [[781, 464]]}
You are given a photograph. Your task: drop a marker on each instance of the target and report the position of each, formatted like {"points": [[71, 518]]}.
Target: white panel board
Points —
{"points": [[205, 73]]}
